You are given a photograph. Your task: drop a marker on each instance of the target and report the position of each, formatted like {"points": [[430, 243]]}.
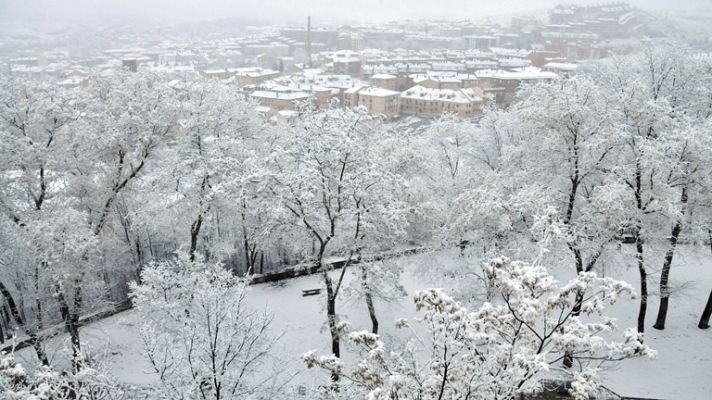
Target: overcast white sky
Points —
{"points": [[27, 11]]}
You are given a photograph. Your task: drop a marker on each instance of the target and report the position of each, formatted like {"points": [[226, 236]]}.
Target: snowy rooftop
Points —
{"points": [[502, 52], [383, 76], [342, 56], [72, 81], [449, 66], [442, 76], [380, 69], [312, 82], [288, 113], [346, 60], [354, 89], [377, 92], [254, 72], [529, 73], [275, 94], [126, 50], [514, 62], [481, 63], [462, 96], [562, 66]]}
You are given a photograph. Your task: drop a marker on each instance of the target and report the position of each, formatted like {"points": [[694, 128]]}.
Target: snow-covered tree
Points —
{"points": [[441, 160], [539, 165], [199, 335], [125, 118], [377, 280], [661, 99], [334, 187], [68, 156], [687, 147], [34, 139], [208, 171]]}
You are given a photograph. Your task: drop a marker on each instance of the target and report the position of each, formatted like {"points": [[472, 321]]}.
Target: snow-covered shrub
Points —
{"points": [[47, 384], [503, 349]]}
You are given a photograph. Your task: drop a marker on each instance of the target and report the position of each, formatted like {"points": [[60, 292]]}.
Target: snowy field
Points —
{"points": [[681, 371]]}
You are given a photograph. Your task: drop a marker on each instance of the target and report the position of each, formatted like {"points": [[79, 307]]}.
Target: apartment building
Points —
{"points": [[430, 102], [444, 80], [539, 58], [503, 85], [277, 100], [386, 81], [75, 78], [216, 73], [378, 101], [345, 62], [253, 76]]}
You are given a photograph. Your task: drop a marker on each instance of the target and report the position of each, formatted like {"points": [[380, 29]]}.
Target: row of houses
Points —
{"points": [[427, 94], [418, 100]]}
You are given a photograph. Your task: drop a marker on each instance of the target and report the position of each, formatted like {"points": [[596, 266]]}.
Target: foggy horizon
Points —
{"points": [[15, 13]]}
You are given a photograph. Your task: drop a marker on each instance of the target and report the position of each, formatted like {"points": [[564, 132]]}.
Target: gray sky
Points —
{"points": [[28, 11]]}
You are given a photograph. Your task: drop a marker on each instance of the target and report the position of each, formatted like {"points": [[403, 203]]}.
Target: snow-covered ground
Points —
{"points": [[682, 368], [681, 371]]}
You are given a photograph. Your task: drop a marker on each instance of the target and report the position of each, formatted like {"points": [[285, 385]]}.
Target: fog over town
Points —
{"points": [[336, 200], [281, 11]]}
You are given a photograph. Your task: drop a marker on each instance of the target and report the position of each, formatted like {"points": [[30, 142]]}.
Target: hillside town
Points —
{"points": [[403, 68]]}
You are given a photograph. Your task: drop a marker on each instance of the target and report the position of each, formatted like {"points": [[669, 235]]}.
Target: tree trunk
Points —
{"points": [[139, 265], [705, 320], [73, 329], [662, 311], [568, 357], [195, 226], [38, 301], [194, 232], [36, 342], [71, 320], [575, 312], [578, 302], [643, 283], [35, 339], [639, 248], [248, 257], [665, 275], [139, 252], [331, 316], [250, 249], [369, 299], [6, 314], [150, 246]]}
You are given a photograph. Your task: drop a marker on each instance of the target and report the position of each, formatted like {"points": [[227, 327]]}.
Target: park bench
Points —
{"points": [[310, 292]]}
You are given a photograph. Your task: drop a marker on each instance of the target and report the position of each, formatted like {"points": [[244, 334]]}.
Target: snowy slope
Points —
{"points": [[682, 370]]}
